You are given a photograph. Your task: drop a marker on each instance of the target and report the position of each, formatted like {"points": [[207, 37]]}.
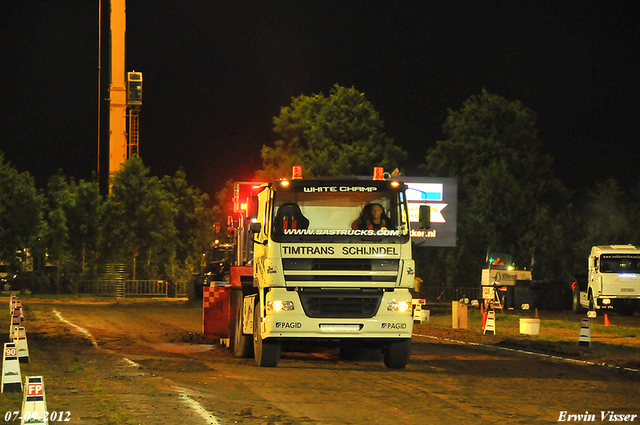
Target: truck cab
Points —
{"points": [[331, 264], [612, 280]]}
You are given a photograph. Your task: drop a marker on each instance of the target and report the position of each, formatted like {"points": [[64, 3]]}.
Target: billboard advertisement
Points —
{"points": [[441, 195]]}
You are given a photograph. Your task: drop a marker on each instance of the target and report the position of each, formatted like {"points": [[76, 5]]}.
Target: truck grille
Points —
{"points": [[339, 303], [300, 270]]}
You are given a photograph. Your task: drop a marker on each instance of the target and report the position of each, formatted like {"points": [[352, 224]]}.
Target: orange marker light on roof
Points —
{"points": [[378, 173], [296, 172]]}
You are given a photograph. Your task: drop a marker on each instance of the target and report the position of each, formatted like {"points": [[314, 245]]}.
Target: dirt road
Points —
{"points": [[146, 363]]}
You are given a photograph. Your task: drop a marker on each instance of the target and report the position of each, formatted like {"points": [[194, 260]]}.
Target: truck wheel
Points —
{"points": [[397, 354], [267, 353], [242, 343], [577, 307], [191, 290], [592, 303]]}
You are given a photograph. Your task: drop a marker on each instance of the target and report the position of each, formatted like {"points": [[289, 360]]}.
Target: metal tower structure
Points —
{"points": [[124, 95], [117, 88], [134, 101]]}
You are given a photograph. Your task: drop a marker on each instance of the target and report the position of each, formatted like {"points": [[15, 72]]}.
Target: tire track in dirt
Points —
{"points": [[529, 353], [183, 395], [443, 383]]}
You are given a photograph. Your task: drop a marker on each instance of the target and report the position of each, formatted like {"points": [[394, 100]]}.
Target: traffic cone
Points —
{"points": [[606, 320]]}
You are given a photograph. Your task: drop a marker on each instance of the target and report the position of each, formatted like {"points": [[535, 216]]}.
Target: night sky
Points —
{"points": [[217, 72]]}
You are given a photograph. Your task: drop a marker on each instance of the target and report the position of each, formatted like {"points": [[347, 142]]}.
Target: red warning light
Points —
{"points": [[378, 173], [296, 172]]}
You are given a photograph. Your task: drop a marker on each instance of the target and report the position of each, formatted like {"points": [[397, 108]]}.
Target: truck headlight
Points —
{"points": [[400, 306], [606, 301], [278, 305]]}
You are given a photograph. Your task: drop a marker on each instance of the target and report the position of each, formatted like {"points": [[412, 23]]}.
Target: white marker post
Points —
{"points": [[34, 404], [585, 333], [15, 324], [490, 326], [11, 378], [20, 312], [12, 303], [20, 339]]}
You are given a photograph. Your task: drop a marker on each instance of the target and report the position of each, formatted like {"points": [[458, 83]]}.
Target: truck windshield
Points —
{"points": [[332, 211], [620, 263]]}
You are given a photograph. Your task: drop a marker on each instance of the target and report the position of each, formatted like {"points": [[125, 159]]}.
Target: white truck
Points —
{"points": [[612, 280], [328, 262]]}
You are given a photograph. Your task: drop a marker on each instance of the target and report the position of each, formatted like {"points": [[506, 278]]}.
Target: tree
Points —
{"points": [[20, 214], [56, 236], [193, 223], [279, 160], [70, 229], [508, 199], [138, 222], [83, 223], [337, 135]]}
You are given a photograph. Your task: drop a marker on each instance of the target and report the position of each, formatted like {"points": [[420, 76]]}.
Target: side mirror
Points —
{"points": [[425, 217], [255, 227]]}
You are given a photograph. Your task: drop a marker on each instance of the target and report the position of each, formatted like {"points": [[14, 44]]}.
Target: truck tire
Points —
{"points": [[397, 354], [242, 343], [592, 303], [577, 307], [267, 353], [191, 290]]}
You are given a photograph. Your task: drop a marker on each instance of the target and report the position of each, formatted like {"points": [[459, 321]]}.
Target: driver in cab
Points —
{"points": [[372, 217]]}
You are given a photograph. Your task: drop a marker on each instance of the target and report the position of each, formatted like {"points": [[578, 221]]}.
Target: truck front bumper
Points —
{"points": [[385, 324]]}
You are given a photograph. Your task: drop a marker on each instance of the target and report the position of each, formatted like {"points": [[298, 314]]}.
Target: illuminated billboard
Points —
{"points": [[441, 195]]}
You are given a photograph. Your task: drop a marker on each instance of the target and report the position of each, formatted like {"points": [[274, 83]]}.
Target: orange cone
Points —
{"points": [[606, 320]]}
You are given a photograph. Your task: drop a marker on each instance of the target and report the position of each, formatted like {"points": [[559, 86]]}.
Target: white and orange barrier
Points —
{"points": [[490, 325]]}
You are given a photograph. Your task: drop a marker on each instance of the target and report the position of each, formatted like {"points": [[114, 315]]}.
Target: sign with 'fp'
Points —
{"points": [[35, 389]]}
